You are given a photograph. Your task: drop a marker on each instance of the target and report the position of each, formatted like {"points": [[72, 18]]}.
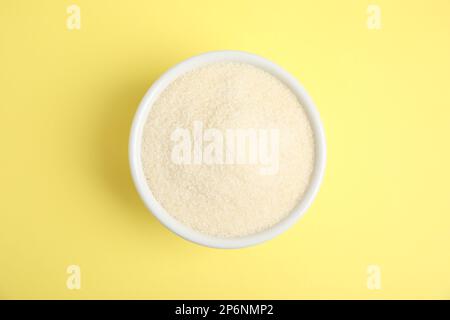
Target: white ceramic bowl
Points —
{"points": [[136, 140]]}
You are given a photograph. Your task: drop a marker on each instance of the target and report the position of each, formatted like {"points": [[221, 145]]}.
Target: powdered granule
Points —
{"points": [[220, 198]]}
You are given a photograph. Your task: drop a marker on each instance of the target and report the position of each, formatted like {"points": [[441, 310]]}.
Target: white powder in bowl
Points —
{"points": [[192, 157]]}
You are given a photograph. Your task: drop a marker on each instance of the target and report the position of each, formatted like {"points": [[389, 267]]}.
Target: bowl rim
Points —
{"points": [[135, 142]]}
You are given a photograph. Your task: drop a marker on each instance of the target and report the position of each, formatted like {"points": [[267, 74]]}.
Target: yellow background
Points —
{"points": [[67, 101]]}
